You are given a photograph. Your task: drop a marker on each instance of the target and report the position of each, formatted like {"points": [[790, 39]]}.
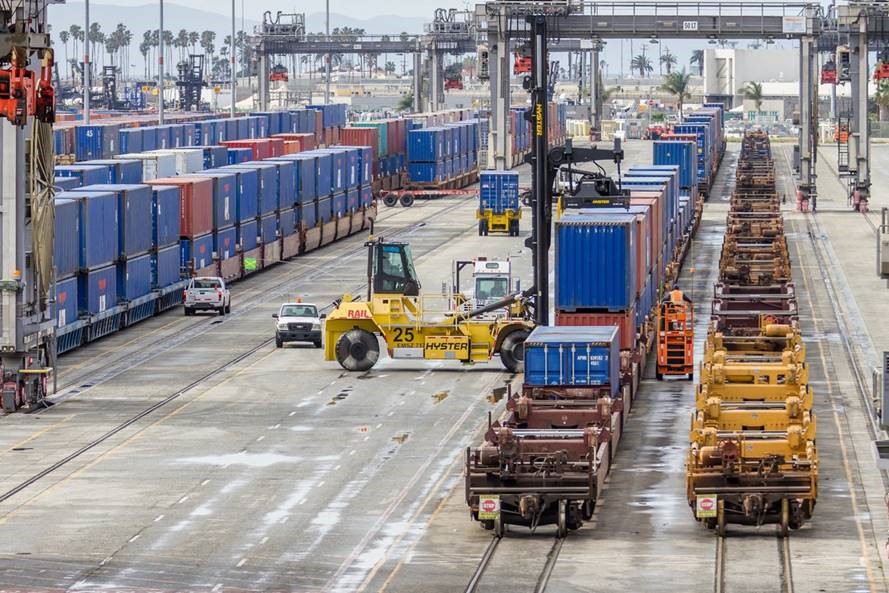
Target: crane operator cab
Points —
{"points": [[393, 269]]}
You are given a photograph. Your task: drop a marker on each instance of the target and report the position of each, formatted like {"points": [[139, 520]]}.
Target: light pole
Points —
{"points": [[327, 26], [86, 65], [160, 68], [233, 59]]}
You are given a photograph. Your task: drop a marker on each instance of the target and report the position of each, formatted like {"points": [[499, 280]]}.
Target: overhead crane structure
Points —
{"points": [[504, 25]]}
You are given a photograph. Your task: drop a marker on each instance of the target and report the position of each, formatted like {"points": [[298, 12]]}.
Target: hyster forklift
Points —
{"points": [[394, 309]]}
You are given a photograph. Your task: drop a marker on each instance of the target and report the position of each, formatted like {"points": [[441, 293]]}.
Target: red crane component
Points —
{"points": [[675, 336], [829, 73], [279, 73], [881, 72], [522, 64], [22, 94]]}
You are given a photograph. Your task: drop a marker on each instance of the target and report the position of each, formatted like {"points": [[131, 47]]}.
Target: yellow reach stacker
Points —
{"points": [[412, 328]]}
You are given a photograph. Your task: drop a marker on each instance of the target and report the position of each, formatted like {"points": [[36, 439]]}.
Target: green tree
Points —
{"points": [[697, 57], [668, 60], [677, 83], [881, 99], [406, 103], [642, 64], [752, 91]]}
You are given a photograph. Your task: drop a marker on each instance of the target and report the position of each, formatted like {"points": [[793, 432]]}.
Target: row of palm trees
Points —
{"points": [[113, 49], [667, 61]]}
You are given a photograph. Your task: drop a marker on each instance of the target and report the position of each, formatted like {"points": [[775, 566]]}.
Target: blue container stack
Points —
{"points": [[85, 174], [165, 262], [498, 191], [122, 171], [683, 154], [573, 356]]}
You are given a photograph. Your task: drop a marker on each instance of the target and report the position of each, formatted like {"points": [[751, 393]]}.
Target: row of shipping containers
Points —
{"points": [[706, 127], [443, 153]]}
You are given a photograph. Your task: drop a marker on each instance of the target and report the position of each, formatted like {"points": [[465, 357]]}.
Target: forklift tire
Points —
{"points": [[357, 350], [390, 200], [512, 351], [514, 228], [483, 228], [407, 200]]}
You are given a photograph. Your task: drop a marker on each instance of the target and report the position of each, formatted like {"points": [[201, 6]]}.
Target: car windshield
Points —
{"points": [[206, 283], [299, 311]]}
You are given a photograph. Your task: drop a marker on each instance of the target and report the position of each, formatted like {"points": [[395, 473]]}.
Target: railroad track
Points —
{"points": [[725, 582], [166, 345], [542, 579]]}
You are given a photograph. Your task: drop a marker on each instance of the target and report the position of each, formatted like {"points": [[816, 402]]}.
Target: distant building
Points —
{"points": [[726, 71]]}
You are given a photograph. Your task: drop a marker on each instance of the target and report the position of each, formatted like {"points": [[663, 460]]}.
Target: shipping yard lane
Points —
{"points": [[282, 471]]}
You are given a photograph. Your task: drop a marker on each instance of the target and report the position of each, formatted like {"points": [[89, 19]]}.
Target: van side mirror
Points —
{"points": [[322, 316], [274, 315]]}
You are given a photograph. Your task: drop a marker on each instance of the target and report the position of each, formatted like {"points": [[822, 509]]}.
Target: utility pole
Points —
{"points": [[86, 65], [160, 68], [327, 26]]}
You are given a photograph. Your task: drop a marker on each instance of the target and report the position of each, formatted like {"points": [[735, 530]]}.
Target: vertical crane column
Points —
{"points": [[541, 196], [499, 142], [263, 76], [595, 92], [859, 136], [807, 122], [435, 77], [418, 80]]}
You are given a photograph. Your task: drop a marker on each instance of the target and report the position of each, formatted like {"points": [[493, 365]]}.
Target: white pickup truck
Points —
{"points": [[207, 294]]}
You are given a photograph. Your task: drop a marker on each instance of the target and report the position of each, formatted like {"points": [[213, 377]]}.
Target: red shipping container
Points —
{"points": [[276, 146], [361, 137], [196, 210], [261, 147], [625, 322], [291, 147], [319, 125]]}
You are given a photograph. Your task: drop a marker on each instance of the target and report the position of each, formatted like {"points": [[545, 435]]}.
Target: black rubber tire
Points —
{"points": [[228, 309], [512, 351], [407, 200], [279, 343], [357, 350], [221, 310], [317, 344], [659, 376], [390, 200], [483, 228], [188, 311]]}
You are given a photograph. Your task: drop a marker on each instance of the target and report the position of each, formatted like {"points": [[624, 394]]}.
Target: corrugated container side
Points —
{"points": [[134, 212], [624, 321], [97, 290], [239, 155], [247, 194], [149, 139], [197, 253], [86, 174], [308, 214], [248, 232], [288, 221], [66, 183], [570, 356], [267, 195], [66, 301], [225, 190], [595, 263], [268, 228], [166, 264], [165, 209], [196, 204], [130, 140], [367, 196], [499, 191], [134, 277], [325, 209], [66, 240], [95, 141], [225, 242], [98, 227]]}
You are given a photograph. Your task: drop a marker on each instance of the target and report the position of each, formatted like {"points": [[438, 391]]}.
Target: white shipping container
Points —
{"points": [[188, 160], [154, 164]]}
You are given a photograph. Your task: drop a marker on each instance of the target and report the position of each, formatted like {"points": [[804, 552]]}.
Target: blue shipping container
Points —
{"points": [[149, 139], [85, 174], [66, 301], [681, 153], [66, 242], [247, 196], [214, 156], [595, 262], [268, 184], [367, 196], [95, 142], [98, 227], [308, 214], [339, 204], [225, 192], [165, 269], [288, 221], [268, 228], [239, 155], [324, 182], [353, 199], [248, 232], [165, 212], [225, 242], [425, 145], [426, 172], [499, 191], [123, 171], [570, 356], [130, 140], [134, 277], [325, 209], [197, 252], [97, 290], [288, 180], [66, 183], [134, 211]]}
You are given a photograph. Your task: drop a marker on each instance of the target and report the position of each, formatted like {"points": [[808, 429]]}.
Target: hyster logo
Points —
{"points": [[357, 314], [538, 119], [447, 346]]}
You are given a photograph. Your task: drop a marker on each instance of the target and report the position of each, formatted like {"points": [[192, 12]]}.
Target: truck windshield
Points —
{"points": [[299, 311], [491, 288], [206, 283]]}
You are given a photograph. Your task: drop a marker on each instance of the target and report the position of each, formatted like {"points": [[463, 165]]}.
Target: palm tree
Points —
{"points": [[207, 39], [193, 38], [94, 37], [753, 92], [64, 36], [168, 49], [145, 49], [668, 60], [182, 43], [881, 99], [677, 83], [642, 64], [697, 57], [76, 35]]}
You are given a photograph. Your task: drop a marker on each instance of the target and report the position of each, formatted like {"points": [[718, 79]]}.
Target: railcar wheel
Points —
{"points": [[586, 511], [512, 351], [563, 519], [357, 350]]}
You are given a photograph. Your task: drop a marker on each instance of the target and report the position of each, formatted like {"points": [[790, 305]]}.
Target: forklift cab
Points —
{"points": [[391, 269]]}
